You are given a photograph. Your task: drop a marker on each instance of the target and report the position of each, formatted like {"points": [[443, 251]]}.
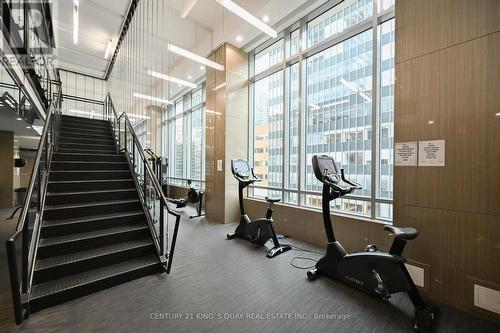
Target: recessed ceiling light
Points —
{"points": [[497, 114], [202, 68], [16, 140], [171, 91], [195, 57], [265, 18], [28, 126], [233, 7], [189, 77], [19, 118], [179, 85], [430, 122], [239, 39], [76, 7], [107, 53]]}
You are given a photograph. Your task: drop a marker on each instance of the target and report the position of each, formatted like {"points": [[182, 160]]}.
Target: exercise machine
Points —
{"points": [[194, 196], [157, 162], [376, 273], [261, 230]]}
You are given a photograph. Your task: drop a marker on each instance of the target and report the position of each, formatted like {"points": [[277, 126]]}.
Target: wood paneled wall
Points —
{"points": [[448, 71], [226, 130], [6, 169]]}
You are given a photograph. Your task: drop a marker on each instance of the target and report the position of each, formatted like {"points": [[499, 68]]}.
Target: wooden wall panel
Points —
{"points": [[6, 169], [458, 89], [426, 26], [448, 72]]}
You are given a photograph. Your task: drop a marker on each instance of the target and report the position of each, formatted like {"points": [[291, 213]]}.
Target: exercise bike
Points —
{"points": [[194, 196], [376, 273], [258, 231]]}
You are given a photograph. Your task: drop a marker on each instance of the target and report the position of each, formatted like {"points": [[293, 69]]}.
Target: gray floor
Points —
{"points": [[213, 283]]}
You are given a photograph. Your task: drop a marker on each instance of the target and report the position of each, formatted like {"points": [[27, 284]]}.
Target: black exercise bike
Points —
{"points": [[377, 273]]}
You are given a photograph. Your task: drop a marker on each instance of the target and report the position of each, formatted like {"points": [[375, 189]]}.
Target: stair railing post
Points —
{"points": [[125, 141], [162, 228], [119, 135], [144, 180]]}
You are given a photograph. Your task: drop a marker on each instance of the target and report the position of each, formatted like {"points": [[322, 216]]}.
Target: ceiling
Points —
{"points": [[99, 21], [207, 26]]}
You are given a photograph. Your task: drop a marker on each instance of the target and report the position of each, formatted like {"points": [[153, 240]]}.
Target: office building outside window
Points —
{"points": [[332, 92]]}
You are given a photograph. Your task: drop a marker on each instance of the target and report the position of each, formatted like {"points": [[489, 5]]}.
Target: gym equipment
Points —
{"points": [[376, 273], [193, 196], [258, 231], [157, 163]]}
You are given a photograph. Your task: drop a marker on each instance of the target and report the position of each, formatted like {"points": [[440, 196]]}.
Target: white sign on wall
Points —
{"points": [[431, 153], [405, 153]]}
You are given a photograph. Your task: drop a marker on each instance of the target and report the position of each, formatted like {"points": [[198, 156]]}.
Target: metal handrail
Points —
{"points": [[155, 182], [22, 228]]}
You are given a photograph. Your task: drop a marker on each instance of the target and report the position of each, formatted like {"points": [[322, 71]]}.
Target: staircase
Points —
{"points": [[94, 233]]}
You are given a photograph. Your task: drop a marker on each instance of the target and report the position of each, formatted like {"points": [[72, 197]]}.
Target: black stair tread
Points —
{"points": [[91, 234], [91, 218], [81, 171], [83, 162], [81, 279], [92, 253], [92, 150], [88, 181], [89, 153], [91, 192], [90, 204]]}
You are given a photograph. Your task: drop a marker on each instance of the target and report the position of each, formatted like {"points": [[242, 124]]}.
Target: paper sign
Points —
{"points": [[405, 153], [431, 153], [219, 165]]}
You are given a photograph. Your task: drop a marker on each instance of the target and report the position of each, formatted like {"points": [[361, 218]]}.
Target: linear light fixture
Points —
{"points": [[195, 57], [355, 88], [108, 49], [152, 98], [213, 112], [76, 7], [171, 79], [231, 6], [222, 85], [188, 7]]}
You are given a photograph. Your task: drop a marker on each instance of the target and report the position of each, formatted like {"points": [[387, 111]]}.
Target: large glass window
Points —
{"points": [[336, 100], [184, 137]]}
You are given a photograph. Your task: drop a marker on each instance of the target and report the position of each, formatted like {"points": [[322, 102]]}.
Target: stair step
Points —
{"points": [[74, 286], [78, 262], [83, 120], [56, 246], [88, 165], [90, 208], [85, 140], [94, 129], [86, 134], [55, 228], [89, 174], [93, 146], [79, 124], [89, 185], [92, 150], [61, 198], [88, 157]]}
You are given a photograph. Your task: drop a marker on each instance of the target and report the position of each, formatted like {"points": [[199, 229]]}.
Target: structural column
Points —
{"points": [[226, 130], [6, 169]]}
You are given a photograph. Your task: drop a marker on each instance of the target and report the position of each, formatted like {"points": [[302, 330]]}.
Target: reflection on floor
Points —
{"points": [[218, 285]]}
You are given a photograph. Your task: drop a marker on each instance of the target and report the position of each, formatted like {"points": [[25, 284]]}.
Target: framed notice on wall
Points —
{"points": [[405, 153], [431, 153]]}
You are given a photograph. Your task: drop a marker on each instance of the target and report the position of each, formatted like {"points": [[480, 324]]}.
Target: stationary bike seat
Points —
{"points": [[403, 233], [273, 199]]}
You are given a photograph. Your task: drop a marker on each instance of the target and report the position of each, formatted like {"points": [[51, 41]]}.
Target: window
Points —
{"points": [[268, 116], [338, 102], [269, 57], [184, 139]]}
